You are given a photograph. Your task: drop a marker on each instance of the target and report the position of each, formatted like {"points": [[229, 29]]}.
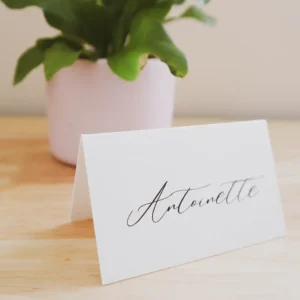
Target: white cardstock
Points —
{"points": [[164, 197]]}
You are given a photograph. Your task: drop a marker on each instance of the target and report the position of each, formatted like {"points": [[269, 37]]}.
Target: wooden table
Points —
{"points": [[44, 256]]}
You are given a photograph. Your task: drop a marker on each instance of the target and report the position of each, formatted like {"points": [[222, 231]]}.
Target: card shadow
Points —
{"points": [[65, 257], [71, 230]]}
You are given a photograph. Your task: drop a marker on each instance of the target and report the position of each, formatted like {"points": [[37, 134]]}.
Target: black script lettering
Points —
{"points": [[237, 191], [253, 191], [148, 206], [219, 196]]}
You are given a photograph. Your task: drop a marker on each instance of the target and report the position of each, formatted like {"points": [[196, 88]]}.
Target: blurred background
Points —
{"points": [[247, 65]]}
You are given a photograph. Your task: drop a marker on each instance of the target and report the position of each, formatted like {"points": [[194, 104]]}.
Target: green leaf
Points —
{"points": [[159, 11], [61, 16], [28, 61], [45, 43], [147, 37], [84, 19], [114, 6], [151, 8], [18, 4], [123, 25], [197, 13], [58, 56], [95, 24], [34, 56]]}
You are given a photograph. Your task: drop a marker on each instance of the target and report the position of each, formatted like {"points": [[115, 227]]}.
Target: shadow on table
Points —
{"points": [[81, 230], [63, 258]]}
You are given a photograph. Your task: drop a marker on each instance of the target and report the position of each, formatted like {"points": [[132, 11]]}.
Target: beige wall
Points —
{"points": [[249, 65]]}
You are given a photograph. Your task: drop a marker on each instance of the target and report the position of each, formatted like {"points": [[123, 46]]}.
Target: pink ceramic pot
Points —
{"points": [[89, 98]]}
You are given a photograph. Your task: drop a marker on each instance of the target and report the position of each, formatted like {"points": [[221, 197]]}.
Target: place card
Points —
{"points": [[164, 197]]}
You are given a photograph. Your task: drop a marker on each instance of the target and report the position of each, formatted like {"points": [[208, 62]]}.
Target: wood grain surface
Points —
{"points": [[44, 256]]}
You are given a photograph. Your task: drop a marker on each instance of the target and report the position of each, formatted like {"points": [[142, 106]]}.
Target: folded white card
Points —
{"points": [[161, 198]]}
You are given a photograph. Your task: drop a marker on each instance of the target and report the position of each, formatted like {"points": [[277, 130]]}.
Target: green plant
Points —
{"points": [[126, 32]]}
